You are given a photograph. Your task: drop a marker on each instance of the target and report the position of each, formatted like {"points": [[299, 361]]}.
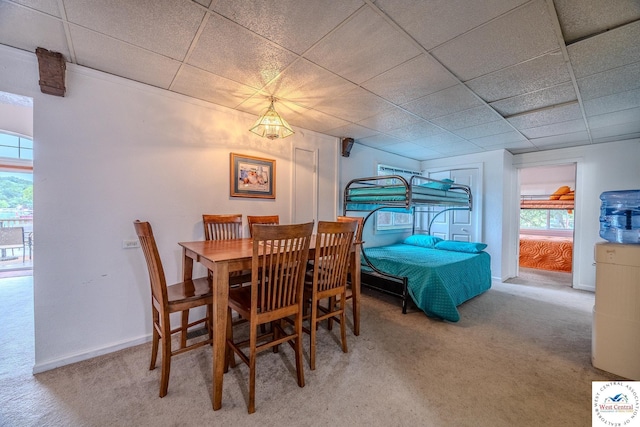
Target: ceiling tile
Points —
{"points": [[379, 141], [122, 59], [200, 84], [393, 119], [612, 103], [485, 129], [528, 76], [436, 21], [27, 30], [307, 84], [466, 118], [519, 146], [555, 129], [363, 48], [354, 131], [510, 39], [606, 51], [547, 116], [411, 80], [631, 115], [458, 148], [618, 130], [421, 129], [292, 24], [310, 119], [534, 100], [163, 26], [510, 137], [583, 18], [354, 105], [402, 148], [613, 138], [447, 101], [565, 140], [248, 58], [610, 82], [440, 139], [49, 7]]}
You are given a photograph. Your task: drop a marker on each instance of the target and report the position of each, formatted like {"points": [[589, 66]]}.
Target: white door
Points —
{"points": [[461, 225], [304, 186]]}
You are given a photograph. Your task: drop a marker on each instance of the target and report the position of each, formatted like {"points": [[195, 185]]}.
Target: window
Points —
{"points": [[546, 219], [394, 221], [15, 147]]}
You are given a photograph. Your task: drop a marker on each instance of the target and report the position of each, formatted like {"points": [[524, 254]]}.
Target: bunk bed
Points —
{"points": [[438, 275], [543, 251]]}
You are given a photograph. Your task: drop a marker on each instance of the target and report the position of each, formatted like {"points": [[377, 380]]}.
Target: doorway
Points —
{"points": [[546, 227]]}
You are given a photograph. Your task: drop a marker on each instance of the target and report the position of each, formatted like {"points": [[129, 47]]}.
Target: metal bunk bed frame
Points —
{"points": [[377, 279]]}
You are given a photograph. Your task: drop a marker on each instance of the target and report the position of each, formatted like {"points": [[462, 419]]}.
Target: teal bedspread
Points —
{"points": [[439, 280]]}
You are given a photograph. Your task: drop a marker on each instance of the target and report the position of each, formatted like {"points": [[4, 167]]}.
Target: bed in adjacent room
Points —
{"points": [[553, 253]]}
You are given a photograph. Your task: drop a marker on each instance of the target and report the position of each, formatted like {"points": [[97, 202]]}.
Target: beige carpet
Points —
{"points": [[520, 356]]}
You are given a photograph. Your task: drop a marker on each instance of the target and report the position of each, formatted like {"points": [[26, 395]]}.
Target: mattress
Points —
{"points": [[438, 280], [546, 252]]}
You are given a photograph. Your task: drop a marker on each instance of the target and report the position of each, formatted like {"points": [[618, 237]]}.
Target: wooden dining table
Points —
{"points": [[225, 256]]}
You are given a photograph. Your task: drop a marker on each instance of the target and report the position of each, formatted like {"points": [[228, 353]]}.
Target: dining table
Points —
{"points": [[222, 257]]}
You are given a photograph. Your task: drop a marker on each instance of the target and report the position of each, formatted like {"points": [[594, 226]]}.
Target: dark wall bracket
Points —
{"points": [[52, 72]]}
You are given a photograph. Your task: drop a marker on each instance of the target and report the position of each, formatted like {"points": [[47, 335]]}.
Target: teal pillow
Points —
{"points": [[422, 240], [453, 245], [445, 184]]}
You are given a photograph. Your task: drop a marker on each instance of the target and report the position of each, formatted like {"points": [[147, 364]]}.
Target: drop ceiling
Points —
{"points": [[422, 79]]}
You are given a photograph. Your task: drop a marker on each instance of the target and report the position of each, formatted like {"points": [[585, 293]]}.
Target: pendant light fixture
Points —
{"points": [[270, 125]]}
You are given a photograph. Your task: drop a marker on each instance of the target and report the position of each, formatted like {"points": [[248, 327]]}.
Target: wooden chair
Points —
{"points": [[165, 300], [222, 227], [329, 279], [357, 240], [226, 227], [262, 219], [277, 278]]}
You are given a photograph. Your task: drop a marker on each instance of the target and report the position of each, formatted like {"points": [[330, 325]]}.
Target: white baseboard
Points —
{"points": [[67, 360]]}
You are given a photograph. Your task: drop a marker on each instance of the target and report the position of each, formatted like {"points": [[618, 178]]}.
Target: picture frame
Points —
{"points": [[252, 177]]}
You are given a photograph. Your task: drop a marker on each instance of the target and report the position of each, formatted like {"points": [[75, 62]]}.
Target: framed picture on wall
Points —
{"points": [[252, 177]]}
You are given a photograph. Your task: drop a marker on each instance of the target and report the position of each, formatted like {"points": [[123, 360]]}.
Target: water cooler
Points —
{"points": [[616, 314]]}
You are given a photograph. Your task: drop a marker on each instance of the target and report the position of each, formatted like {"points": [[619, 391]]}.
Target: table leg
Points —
{"points": [[355, 288], [220, 304], [187, 266]]}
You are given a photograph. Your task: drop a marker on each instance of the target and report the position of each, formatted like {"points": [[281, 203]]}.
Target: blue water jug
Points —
{"points": [[620, 216]]}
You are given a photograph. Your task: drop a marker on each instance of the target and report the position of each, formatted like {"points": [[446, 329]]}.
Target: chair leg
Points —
{"points": [[331, 306], [229, 354], [166, 357], [298, 349], [156, 339], [343, 323], [312, 334], [183, 332], [252, 368]]}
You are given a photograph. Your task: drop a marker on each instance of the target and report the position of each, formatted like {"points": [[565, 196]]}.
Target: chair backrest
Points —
{"points": [[11, 236], [331, 262], [357, 219], [280, 255], [154, 264], [262, 219], [222, 227]]}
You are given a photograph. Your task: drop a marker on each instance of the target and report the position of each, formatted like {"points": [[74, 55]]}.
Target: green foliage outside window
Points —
{"points": [[546, 219]]}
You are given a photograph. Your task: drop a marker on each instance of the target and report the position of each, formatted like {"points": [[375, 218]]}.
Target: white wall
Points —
{"points": [[112, 151], [17, 119], [600, 167], [495, 199]]}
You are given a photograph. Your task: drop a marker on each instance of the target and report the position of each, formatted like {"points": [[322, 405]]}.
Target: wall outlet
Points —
{"points": [[130, 244]]}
